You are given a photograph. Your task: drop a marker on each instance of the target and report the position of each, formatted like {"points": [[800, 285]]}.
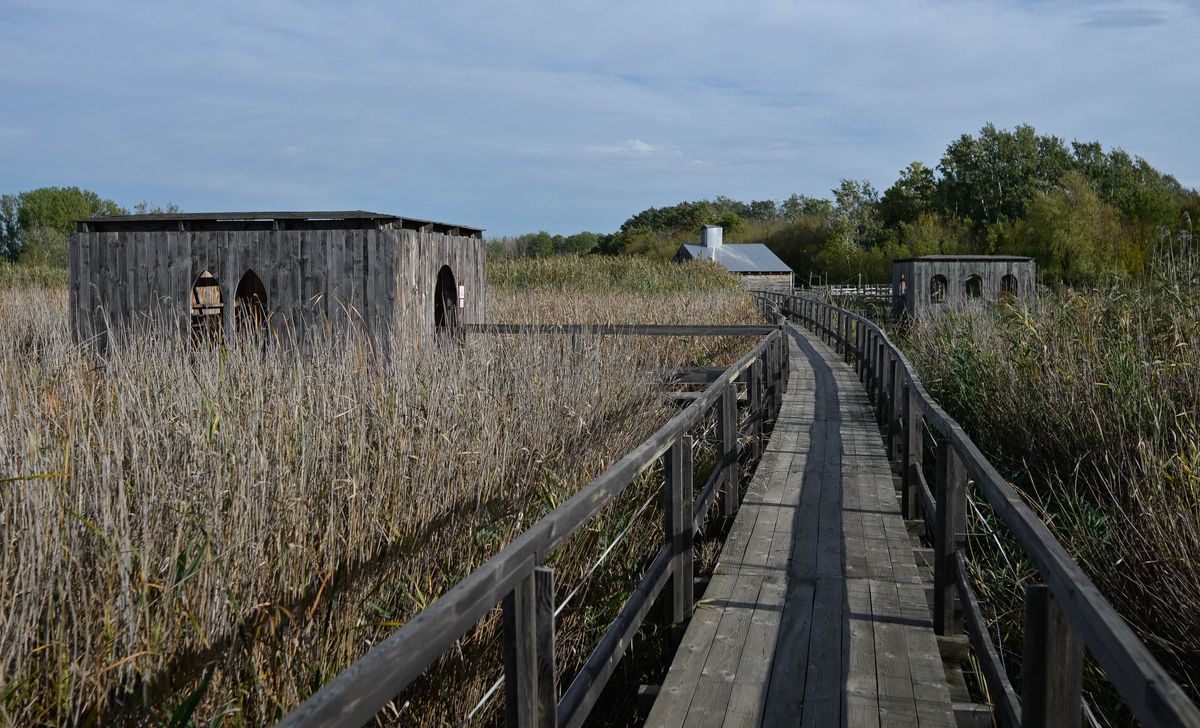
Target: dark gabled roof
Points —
{"points": [[738, 257], [280, 220]]}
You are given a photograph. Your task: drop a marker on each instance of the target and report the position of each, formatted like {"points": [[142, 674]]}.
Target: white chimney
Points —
{"points": [[710, 236]]}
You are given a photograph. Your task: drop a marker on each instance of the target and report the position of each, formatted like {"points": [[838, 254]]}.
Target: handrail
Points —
{"points": [[1083, 617], [623, 329], [515, 575]]}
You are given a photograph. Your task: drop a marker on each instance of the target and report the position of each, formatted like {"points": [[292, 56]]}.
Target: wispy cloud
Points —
{"points": [[527, 115], [1121, 18]]}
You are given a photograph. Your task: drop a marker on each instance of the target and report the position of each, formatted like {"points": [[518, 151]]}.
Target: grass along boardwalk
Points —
{"points": [[815, 614]]}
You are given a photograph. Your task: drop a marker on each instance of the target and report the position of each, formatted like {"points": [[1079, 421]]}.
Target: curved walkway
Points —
{"points": [[815, 615]]}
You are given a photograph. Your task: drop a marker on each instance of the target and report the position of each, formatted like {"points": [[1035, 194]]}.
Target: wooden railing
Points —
{"points": [[1063, 616], [518, 579]]}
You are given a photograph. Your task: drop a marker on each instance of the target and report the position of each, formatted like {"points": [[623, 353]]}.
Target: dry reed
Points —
{"points": [[236, 526]]}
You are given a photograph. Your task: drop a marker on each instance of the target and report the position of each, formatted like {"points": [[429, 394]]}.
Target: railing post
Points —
{"points": [[530, 675], [895, 411], [727, 427], [948, 537], [756, 406], [859, 345], [846, 350], [913, 452], [1052, 671], [679, 495], [881, 398]]}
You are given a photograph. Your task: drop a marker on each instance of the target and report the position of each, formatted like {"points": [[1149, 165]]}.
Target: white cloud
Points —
{"points": [[528, 115]]}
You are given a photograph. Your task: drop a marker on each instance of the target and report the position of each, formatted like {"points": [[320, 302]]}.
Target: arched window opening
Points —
{"points": [[973, 286], [250, 303], [1008, 285], [445, 300], [903, 287], [937, 289], [208, 310]]}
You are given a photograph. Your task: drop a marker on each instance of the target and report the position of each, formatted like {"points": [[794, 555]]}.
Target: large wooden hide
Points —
{"points": [[933, 282], [370, 273]]}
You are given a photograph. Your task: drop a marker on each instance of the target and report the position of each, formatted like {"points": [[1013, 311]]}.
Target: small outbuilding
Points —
{"points": [[932, 282], [279, 273], [758, 267]]}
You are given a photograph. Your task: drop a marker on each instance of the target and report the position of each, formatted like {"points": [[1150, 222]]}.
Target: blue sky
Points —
{"points": [[526, 114]]}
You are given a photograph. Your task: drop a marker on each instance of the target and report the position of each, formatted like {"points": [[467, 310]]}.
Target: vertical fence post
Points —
{"points": [[858, 352], [896, 416], [882, 393], [756, 406], [913, 452], [727, 425], [1052, 671], [679, 525], [530, 675], [847, 350], [948, 537]]}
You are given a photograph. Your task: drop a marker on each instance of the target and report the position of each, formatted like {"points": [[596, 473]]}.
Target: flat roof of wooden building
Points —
{"points": [[967, 259], [312, 220]]}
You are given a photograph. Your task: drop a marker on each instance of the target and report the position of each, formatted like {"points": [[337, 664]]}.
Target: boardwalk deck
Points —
{"points": [[815, 614]]}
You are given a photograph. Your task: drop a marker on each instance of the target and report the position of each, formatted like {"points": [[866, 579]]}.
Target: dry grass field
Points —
{"points": [[196, 535]]}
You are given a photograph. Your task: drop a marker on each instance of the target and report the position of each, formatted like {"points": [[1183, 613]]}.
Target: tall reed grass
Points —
{"points": [[1090, 403], [212, 534]]}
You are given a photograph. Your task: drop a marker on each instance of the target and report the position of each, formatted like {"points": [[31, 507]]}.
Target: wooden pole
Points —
{"points": [[679, 494], [727, 426], [1052, 671], [530, 676], [913, 452], [756, 407], [948, 536]]}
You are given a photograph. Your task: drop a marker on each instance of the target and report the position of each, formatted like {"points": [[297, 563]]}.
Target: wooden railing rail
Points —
{"points": [[623, 329], [517, 577], [1063, 616]]}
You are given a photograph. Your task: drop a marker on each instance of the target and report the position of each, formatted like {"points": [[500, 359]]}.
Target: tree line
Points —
{"points": [[35, 225], [1085, 214]]}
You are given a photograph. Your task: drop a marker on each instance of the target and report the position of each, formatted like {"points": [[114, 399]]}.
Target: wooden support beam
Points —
{"points": [[1052, 672], [727, 434], [948, 537], [680, 528], [530, 677]]}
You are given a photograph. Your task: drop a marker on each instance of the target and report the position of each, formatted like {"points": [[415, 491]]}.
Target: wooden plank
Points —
{"points": [[520, 655], [624, 329], [680, 527], [1052, 669]]}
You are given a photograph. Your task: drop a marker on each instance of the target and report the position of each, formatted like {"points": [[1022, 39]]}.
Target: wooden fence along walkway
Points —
{"points": [[517, 577], [1063, 618], [816, 614]]}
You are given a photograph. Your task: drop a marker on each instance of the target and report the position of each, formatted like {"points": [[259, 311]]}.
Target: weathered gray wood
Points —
{"points": [[913, 452], [1006, 705], [1052, 669], [579, 698], [756, 407], [949, 537], [520, 655], [625, 329], [358, 692], [1141, 681], [680, 527], [727, 436], [547, 671]]}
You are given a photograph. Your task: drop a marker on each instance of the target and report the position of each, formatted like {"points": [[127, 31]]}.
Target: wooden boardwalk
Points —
{"points": [[815, 615]]}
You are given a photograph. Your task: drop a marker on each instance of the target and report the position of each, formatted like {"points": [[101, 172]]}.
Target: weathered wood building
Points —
{"points": [[284, 273], [758, 267], [931, 282]]}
